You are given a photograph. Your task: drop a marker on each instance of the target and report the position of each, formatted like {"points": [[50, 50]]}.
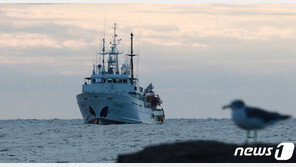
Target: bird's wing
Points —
{"points": [[264, 115]]}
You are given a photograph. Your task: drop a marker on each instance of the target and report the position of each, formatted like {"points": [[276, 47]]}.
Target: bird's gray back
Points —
{"points": [[264, 115]]}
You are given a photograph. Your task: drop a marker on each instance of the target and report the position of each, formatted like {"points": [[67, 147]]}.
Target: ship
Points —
{"points": [[112, 94]]}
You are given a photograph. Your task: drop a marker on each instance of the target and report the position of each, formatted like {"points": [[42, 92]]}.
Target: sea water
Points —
{"points": [[59, 140]]}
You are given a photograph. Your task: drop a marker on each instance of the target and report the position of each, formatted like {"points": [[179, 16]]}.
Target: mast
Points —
{"points": [[103, 49], [116, 55], [113, 54], [103, 53], [131, 60]]}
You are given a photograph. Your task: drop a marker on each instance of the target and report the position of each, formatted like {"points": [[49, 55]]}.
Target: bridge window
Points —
{"points": [[124, 80], [120, 81], [114, 81], [109, 80]]}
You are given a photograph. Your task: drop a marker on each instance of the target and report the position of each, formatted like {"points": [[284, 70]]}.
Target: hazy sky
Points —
{"points": [[198, 56]]}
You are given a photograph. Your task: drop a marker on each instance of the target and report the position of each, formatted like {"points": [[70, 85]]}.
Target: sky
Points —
{"points": [[198, 56]]}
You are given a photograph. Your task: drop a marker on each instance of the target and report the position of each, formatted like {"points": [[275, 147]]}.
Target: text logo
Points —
{"points": [[283, 151]]}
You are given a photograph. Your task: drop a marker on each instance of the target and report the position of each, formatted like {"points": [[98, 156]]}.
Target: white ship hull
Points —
{"points": [[105, 108]]}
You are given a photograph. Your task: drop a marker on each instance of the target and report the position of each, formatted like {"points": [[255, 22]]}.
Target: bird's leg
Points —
{"points": [[247, 137], [255, 136]]}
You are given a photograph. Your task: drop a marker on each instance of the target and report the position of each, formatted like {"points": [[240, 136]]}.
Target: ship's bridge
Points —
{"points": [[111, 83], [108, 78]]}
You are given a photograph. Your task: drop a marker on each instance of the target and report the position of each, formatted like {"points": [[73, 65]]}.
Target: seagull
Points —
{"points": [[250, 118]]}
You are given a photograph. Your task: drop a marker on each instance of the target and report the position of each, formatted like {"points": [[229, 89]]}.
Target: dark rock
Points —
{"points": [[198, 152]]}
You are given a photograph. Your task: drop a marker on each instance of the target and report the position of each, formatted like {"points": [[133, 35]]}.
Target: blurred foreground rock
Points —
{"points": [[198, 152]]}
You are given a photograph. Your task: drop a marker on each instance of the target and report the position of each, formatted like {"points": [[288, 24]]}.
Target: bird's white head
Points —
{"points": [[235, 104]]}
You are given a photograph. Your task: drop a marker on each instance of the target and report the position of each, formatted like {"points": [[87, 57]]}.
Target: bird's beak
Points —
{"points": [[225, 107]]}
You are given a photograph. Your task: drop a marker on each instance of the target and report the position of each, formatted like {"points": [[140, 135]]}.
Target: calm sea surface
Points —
{"points": [[59, 140]]}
